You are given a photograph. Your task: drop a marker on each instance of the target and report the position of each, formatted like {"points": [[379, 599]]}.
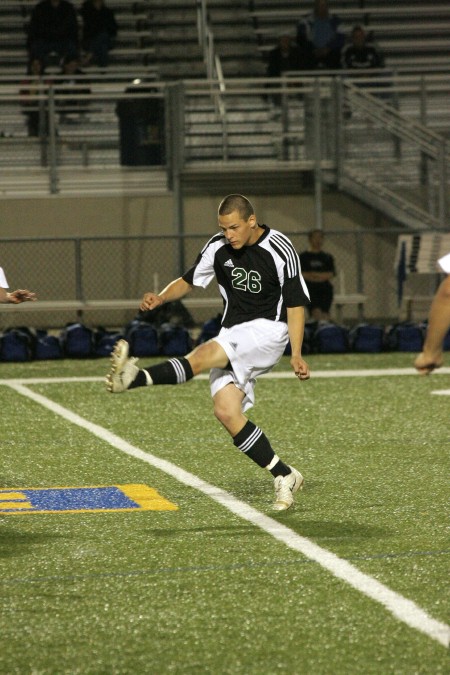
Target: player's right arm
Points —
{"points": [[16, 297], [174, 291]]}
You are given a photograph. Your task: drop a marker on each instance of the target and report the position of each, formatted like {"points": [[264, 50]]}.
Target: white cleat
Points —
{"points": [[123, 370], [285, 489]]}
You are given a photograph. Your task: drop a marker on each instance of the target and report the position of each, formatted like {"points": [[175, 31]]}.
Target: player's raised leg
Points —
{"points": [[125, 374]]}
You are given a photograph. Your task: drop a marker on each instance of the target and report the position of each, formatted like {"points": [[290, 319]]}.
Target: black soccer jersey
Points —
{"points": [[256, 282]]}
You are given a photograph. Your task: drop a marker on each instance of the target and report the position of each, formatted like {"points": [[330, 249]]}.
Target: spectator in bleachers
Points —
{"points": [[32, 107], [360, 53], [73, 85], [287, 55], [53, 28], [321, 33], [99, 32]]}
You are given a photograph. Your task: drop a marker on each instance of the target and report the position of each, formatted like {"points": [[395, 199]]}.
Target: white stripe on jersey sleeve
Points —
{"points": [[290, 254], [204, 269]]}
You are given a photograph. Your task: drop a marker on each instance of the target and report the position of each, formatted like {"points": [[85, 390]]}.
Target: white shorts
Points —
{"points": [[253, 348]]}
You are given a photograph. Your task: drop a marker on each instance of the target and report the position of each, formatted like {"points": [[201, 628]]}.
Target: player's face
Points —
{"points": [[237, 231]]}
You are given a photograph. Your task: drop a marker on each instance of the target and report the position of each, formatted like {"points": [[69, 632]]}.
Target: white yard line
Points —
{"points": [[277, 375], [403, 609]]}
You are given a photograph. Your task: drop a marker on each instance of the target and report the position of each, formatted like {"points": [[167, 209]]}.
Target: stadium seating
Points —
{"points": [[158, 40], [134, 48], [409, 34]]}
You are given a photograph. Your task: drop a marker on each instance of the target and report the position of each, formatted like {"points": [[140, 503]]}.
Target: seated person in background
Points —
{"points": [[74, 86], [318, 269], [34, 109], [53, 28], [360, 53], [99, 31], [287, 55], [320, 32]]}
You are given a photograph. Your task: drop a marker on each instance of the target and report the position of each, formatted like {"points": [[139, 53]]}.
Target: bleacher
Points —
{"points": [[174, 25], [158, 40], [133, 49], [409, 33]]}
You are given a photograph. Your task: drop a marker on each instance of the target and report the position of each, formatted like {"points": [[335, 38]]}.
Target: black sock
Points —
{"points": [[254, 443], [174, 371], [280, 469], [139, 381]]}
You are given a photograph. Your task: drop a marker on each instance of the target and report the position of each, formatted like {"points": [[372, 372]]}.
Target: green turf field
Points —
{"points": [[222, 584]]}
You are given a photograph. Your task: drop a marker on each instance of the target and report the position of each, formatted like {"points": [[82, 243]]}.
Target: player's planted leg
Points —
{"points": [[285, 488], [253, 442]]}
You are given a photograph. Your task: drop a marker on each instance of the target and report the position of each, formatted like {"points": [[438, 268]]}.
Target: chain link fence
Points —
{"points": [[123, 268]]}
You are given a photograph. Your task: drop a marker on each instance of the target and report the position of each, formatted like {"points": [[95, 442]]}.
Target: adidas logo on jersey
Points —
{"points": [[229, 263]]}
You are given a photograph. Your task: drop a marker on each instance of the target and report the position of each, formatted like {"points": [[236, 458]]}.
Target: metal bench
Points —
{"points": [[341, 300], [77, 308]]}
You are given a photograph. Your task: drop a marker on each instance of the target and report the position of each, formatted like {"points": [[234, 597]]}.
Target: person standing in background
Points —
{"points": [[318, 269]]}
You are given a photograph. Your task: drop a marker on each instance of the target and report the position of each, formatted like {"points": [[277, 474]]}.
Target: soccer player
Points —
{"points": [[264, 294], [20, 295], [431, 356]]}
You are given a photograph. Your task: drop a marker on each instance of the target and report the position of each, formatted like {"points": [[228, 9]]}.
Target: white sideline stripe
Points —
{"points": [[403, 609], [278, 375], [442, 392]]}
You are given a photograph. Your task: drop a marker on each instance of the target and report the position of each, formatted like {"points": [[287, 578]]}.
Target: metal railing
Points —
{"points": [[214, 71], [421, 149], [389, 130]]}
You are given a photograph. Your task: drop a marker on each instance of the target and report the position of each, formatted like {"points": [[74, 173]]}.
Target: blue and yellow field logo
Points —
{"points": [[131, 497]]}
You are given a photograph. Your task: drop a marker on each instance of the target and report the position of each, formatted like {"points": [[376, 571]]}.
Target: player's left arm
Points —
{"points": [[296, 329]]}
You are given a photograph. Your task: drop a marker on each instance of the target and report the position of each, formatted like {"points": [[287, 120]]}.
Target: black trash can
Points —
{"points": [[141, 128]]}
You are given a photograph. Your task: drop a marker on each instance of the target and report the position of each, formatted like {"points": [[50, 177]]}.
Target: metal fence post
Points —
{"points": [[53, 170], [339, 128], [317, 158], [424, 174], [175, 165], [78, 270], [442, 199], [359, 262]]}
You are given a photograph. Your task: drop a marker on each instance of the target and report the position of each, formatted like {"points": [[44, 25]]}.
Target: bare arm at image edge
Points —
{"points": [[15, 297], [431, 356]]}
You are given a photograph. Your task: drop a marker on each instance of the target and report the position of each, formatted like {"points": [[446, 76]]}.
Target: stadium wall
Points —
{"points": [[85, 216], [59, 216]]}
